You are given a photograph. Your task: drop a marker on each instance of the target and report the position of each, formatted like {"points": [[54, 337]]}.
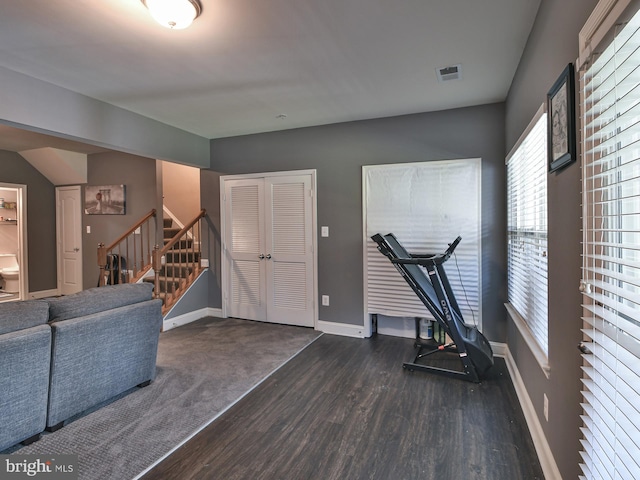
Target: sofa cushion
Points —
{"points": [[16, 316], [98, 299]]}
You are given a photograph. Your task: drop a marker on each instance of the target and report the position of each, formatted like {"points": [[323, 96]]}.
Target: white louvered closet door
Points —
{"points": [[245, 247], [269, 249], [289, 263]]}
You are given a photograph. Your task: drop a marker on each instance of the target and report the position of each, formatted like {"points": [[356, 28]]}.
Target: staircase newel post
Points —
{"points": [[102, 263], [156, 264]]}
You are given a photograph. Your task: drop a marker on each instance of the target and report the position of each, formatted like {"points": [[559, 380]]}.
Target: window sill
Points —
{"points": [[527, 336]]}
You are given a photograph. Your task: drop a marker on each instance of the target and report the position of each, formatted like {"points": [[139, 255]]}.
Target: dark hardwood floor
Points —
{"points": [[345, 409]]}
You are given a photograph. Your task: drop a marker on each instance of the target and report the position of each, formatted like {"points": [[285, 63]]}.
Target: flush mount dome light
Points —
{"points": [[175, 14]]}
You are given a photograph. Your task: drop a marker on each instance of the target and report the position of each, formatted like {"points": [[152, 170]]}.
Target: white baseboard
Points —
{"points": [[346, 330], [548, 463], [44, 293], [499, 349], [190, 317], [391, 326]]}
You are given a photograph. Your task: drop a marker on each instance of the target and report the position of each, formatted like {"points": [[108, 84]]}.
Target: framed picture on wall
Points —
{"points": [[561, 121], [105, 200]]}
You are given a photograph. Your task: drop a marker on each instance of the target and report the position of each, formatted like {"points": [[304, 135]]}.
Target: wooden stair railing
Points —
{"points": [[177, 264], [128, 258]]}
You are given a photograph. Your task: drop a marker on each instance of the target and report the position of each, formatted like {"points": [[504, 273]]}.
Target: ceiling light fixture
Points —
{"points": [[174, 14]]}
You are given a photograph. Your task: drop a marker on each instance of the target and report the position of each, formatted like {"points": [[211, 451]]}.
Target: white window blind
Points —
{"points": [[426, 206], [527, 229], [610, 106]]}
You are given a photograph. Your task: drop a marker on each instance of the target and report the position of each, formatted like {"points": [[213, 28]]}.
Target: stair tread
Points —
{"points": [[182, 243]]}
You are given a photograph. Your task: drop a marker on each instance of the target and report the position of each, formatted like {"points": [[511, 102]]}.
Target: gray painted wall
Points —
{"points": [[338, 153], [194, 299], [211, 246], [181, 190], [139, 176], [552, 44], [41, 219], [46, 108]]}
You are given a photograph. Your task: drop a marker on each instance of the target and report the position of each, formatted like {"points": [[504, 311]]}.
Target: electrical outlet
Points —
{"points": [[546, 407], [325, 300], [204, 262]]}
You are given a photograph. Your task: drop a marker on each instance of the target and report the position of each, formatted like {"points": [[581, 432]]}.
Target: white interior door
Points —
{"points": [[269, 249], [69, 233], [289, 247], [244, 248]]}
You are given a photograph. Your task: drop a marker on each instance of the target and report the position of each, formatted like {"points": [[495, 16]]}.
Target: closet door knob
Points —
{"points": [[269, 256], [261, 256]]}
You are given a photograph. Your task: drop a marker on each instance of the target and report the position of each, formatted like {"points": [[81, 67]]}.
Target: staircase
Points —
{"points": [[175, 266], [178, 263]]}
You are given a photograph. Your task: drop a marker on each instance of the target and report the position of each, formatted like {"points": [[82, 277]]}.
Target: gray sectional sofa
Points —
{"points": [[64, 355]]}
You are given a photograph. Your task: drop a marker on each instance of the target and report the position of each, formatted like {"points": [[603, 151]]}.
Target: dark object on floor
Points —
{"points": [[116, 269], [435, 292]]}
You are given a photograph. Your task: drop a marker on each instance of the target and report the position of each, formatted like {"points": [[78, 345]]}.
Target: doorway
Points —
{"points": [[13, 241], [268, 235]]}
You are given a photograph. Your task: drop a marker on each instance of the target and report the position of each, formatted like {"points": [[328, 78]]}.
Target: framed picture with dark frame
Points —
{"points": [[561, 121]]}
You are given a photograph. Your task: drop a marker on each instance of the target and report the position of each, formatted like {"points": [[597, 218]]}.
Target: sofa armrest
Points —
{"points": [[101, 355], [24, 383]]}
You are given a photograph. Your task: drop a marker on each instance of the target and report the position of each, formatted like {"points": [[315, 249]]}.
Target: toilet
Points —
{"points": [[10, 272]]}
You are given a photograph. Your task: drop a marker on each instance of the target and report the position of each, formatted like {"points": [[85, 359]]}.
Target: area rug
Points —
{"points": [[203, 369]]}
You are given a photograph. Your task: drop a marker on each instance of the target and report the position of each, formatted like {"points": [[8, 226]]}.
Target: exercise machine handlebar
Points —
{"points": [[429, 259]]}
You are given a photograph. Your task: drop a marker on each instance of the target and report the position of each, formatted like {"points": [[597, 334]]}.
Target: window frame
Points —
{"points": [[537, 126]]}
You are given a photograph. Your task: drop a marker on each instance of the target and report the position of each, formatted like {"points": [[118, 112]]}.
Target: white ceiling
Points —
{"points": [[244, 63]]}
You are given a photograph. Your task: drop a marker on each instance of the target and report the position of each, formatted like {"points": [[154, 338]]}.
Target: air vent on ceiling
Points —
{"points": [[452, 72]]}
